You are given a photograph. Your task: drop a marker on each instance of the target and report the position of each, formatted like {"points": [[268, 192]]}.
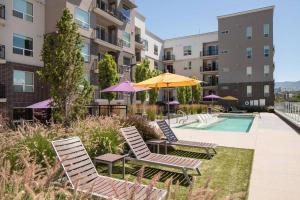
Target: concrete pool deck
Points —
{"points": [[276, 165]]}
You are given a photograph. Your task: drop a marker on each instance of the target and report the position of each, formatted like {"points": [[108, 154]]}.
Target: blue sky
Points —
{"points": [[172, 18]]}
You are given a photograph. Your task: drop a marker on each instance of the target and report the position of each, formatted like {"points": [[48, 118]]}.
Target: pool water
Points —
{"points": [[228, 124]]}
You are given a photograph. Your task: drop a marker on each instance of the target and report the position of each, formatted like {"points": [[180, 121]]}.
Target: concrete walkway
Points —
{"points": [[276, 165]]}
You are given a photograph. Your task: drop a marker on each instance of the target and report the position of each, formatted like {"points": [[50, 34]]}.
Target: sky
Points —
{"points": [[173, 18]]}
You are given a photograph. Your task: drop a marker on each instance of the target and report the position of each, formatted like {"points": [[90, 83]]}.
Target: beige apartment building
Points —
{"points": [[220, 59]]}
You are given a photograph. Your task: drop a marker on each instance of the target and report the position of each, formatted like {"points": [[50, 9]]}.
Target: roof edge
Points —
{"points": [[246, 12]]}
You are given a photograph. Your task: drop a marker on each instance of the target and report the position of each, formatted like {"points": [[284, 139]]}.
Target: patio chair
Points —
{"points": [[173, 140], [142, 154], [84, 177]]}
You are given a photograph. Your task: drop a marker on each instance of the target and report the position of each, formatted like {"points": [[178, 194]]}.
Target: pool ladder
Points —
{"points": [[180, 115]]}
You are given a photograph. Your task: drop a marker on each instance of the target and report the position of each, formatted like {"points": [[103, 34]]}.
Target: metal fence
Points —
{"points": [[290, 109]]}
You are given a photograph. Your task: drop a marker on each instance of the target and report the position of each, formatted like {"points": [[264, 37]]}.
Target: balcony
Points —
{"points": [[139, 42], [112, 15], [210, 85], [169, 58], [2, 54], [209, 53], [2, 93], [111, 42], [2, 15], [209, 69]]}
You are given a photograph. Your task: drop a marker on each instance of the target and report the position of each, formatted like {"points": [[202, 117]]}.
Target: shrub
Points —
{"points": [[145, 129], [151, 111]]}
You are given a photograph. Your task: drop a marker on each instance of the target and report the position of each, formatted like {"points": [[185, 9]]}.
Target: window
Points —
{"points": [[266, 30], [266, 51], [155, 49], [22, 45], [146, 45], [23, 9], [266, 69], [225, 32], [249, 32], [126, 61], [23, 81], [155, 64], [249, 91], [249, 71], [82, 18], [187, 50], [125, 11], [85, 52], [266, 90], [249, 52], [190, 64], [126, 39]]}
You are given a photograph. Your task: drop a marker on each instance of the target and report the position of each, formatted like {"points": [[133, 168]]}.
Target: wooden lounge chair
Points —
{"points": [[143, 154], [84, 177], [173, 140]]}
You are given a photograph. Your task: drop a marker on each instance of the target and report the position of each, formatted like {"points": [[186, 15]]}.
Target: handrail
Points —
{"points": [[289, 109], [183, 114]]}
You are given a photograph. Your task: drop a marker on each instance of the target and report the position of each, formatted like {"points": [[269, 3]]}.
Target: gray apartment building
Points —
{"points": [[236, 60]]}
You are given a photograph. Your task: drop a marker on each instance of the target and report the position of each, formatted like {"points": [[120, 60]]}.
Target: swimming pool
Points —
{"points": [[227, 124]]}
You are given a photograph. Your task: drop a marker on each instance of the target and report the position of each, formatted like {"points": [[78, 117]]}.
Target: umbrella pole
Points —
{"points": [[168, 106]]}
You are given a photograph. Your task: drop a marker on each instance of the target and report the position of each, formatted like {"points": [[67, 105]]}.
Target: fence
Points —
{"points": [[289, 109]]}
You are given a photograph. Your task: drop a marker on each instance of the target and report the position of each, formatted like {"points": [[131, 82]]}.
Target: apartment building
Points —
{"points": [[236, 60]]}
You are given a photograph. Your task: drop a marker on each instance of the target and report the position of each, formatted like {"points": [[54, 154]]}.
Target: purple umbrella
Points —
{"points": [[212, 96], [125, 86], [173, 103], [41, 105]]}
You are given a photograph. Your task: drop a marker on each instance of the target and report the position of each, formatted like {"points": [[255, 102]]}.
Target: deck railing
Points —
{"points": [[289, 109]]}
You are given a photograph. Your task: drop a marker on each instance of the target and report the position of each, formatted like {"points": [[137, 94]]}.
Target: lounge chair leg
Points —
{"points": [[186, 176], [198, 171], [214, 150]]}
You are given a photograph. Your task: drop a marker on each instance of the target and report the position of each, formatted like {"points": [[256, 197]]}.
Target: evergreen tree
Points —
{"points": [[181, 95], [153, 93], [196, 92], [188, 94], [108, 75], [64, 70]]}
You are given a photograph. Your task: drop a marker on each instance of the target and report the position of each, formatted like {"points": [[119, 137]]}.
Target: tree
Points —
{"points": [[196, 92], [188, 93], [181, 96], [64, 70], [142, 73], [108, 75], [153, 94]]}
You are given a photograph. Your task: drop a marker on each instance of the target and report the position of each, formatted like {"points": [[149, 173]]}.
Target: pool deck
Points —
{"points": [[276, 165]]}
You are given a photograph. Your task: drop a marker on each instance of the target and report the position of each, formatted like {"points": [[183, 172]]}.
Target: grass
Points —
{"points": [[229, 171]]}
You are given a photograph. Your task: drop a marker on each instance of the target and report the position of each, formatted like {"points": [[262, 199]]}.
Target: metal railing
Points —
{"points": [[210, 84], [2, 91], [169, 57], [209, 68], [110, 10], [2, 51], [2, 11], [289, 109], [138, 39], [108, 38], [209, 53]]}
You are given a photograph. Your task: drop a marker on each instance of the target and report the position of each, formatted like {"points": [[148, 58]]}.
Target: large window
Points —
{"points": [[22, 45], [249, 91], [23, 9], [82, 18], [266, 30], [146, 45], [85, 52], [249, 70], [187, 50], [266, 51], [126, 39], [266, 69], [249, 52], [23, 81], [249, 32], [266, 90], [155, 49]]}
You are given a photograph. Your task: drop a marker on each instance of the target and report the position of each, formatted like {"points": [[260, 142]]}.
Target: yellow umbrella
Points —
{"points": [[230, 98], [168, 80]]}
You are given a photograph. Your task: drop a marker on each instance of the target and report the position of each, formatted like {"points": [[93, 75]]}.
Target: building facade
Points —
{"points": [[236, 60]]}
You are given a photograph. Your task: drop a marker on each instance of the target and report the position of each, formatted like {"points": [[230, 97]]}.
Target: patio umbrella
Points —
{"points": [[126, 87], [41, 105], [230, 98], [212, 97], [168, 80]]}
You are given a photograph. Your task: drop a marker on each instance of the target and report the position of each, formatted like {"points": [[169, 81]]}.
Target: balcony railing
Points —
{"points": [[112, 39], [139, 39], [210, 84], [169, 57], [2, 11], [110, 10], [2, 91], [209, 53], [2, 52], [209, 68]]}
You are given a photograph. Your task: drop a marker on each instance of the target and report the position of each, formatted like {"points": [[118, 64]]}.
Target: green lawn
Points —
{"points": [[229, 171]]}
